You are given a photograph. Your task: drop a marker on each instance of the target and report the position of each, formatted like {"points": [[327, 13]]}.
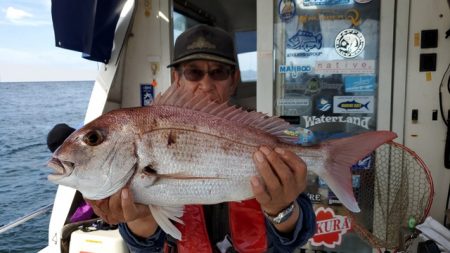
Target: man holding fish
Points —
{"points": [[210, 176], [204, 64]]}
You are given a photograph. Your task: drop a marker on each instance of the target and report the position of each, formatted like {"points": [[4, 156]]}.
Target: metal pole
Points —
{"points": [[25, 218]]}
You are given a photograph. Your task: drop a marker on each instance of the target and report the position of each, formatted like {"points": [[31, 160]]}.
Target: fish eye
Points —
{"points": [[93, 138]]}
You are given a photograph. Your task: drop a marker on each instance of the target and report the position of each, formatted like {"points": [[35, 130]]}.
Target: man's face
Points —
{"points": [[215, 80]]}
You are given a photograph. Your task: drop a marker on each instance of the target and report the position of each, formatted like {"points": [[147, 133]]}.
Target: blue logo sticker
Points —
{"points": [[333, 199], [359, 83], [316, 3], [147, 94], [363, 164], [353, 104], [323, 104], [294, 69], [356, 181], [305, 137], [286, 10], [305, 40]]}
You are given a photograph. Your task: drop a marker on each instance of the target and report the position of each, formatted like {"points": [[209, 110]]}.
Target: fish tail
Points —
{"points": [[342, 154]]}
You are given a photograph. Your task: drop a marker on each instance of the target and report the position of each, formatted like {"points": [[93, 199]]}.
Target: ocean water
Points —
{"points": [[27, 113]]}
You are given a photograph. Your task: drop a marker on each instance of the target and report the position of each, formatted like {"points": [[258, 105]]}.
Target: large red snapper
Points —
{"points": [[184, 149]]}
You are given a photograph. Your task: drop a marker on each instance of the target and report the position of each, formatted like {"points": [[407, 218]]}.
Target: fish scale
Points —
{"points": [[197, 154]]}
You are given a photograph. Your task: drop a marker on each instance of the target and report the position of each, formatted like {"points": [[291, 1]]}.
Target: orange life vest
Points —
{"points": [[246, 223]]}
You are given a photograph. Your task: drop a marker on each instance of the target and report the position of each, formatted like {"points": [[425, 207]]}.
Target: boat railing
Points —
{"points": [[25, 218]]}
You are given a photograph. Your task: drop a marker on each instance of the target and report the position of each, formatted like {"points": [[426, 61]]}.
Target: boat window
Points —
{"points": [[181, 23], [246, 54]]}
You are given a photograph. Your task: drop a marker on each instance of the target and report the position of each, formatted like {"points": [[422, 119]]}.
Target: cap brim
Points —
{"points": [[208, 57]]}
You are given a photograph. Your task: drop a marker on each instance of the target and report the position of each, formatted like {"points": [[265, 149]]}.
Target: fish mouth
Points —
{"points": [[61, 169]]}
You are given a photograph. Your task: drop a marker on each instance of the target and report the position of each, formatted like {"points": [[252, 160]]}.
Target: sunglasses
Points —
{"points": [[219, 74]]}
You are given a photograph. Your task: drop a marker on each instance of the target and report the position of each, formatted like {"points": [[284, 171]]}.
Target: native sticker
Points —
{"points": [[286, 10], [147, 94], [345, 67], [349, 43], [353, 104], [330, 228]]}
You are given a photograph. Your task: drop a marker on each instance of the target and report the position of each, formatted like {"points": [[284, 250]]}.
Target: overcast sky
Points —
{"points": [[27, 46]]}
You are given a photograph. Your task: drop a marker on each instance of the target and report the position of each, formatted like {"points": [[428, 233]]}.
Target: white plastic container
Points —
{"points": [[99, 241]]}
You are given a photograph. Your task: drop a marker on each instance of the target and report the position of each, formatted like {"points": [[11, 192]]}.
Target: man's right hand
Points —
{"points": [[120, 208]]}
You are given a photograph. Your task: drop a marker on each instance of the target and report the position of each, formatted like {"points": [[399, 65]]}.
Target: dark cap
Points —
{"points": [[57, 135], [203, 42]]}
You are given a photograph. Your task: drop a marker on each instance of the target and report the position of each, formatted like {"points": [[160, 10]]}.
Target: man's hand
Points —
{"points": [[282, 179], [120, 208]]}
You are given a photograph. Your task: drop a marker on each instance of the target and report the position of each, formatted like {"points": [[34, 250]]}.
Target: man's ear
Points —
{"points": [[236, 81], [175, 77]]}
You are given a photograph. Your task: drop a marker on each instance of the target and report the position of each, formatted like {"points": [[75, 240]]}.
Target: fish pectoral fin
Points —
{"points": [[163, 215]]}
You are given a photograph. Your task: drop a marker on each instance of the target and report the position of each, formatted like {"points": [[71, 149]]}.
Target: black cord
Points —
{"points": [[440, 94]]}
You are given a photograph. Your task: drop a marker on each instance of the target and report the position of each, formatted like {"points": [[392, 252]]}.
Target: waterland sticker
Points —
{"points": [[353, 104], [286, 10], [316, 120], [359, 83], [345, 67], [349, 43]]}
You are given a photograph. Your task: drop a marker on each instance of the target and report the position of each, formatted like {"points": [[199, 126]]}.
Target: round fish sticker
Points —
{"points": [[363, 1], [286, 9], [349, 43]]}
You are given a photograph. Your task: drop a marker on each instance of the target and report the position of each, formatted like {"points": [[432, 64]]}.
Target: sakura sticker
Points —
{"points": [[330, 228]]}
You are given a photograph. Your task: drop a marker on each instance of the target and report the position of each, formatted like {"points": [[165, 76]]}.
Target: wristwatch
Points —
{"points": [[281, 216]]}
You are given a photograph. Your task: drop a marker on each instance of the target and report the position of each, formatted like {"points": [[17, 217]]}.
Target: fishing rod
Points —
{"points": [[17, 222]]}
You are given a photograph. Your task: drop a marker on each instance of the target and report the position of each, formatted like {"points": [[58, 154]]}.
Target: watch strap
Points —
{"points": [[281, 216]]}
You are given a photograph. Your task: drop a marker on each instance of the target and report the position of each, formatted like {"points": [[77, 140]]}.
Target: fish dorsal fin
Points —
{"points": [[183, 98]]}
